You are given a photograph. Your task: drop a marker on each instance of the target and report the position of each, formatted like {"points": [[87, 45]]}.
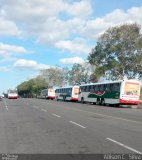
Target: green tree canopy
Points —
{"points": [[118, 53], [79, 74], [53, 76], [32, 87]]}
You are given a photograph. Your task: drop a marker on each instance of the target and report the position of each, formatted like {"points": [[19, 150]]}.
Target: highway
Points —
{"points": [[38, 126]]}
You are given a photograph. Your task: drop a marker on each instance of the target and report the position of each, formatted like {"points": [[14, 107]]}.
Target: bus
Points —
{"points": [[12, 94], [67, 93], [123, 92], [47, 94]]}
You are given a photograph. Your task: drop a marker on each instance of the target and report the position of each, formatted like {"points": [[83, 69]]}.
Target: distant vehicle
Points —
{"points": [[0, 98], [12, 94], [47, 94], [124, 92], [67, 93]]}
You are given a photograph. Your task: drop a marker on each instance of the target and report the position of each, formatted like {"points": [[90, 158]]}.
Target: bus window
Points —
{"points": [[111, 87], [102, 88], [69, 90], [116, 86], [97, 88], [108, 87], [85, 88], [105, 86], [92, 89], [88, 89]]}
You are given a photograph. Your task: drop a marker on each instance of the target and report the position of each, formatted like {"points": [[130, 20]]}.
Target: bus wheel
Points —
{"points": [[103, 102], [98, 102], [117, 105], [82, 100]]}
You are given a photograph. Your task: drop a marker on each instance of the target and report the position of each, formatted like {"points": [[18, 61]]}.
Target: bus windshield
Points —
{"points": [[12, 91], [132, 88], [76, 90]]}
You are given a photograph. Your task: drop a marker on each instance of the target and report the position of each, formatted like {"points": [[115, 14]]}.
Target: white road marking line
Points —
{"points": [[125, 146], [6, 108], [35, 107], [56, 115], [44, 110], [99, 114], [5, 105], [77, 124]]}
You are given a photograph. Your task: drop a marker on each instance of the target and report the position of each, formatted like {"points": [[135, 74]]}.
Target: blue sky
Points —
{"points": [[38, 34]]}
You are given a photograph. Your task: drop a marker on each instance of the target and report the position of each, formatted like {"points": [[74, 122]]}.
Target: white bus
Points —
{"points": [[12, 94], [67, 93], [124, 92], [48, 93]]}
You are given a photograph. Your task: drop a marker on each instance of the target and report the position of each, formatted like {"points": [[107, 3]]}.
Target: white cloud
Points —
{"points": [[4, 48], [10, 52], [39, 10], [72, 60], [4, 58], [29, 64], [55, 30], [95, 27], [80, 9], [38, 17], [52, 31], [77, 46], [56, 22], [4, 69], [8, 28], [135, 14]]}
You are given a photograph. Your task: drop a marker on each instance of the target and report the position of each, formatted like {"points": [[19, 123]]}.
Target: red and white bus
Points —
{"points": [[123, 92], [47, 93], [67, 93], [12, 94]]}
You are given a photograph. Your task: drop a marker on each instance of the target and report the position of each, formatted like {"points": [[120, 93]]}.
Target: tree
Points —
{"points": [[118, 53], [79, 74], [38, 85], [53, 76], [31, 87]]}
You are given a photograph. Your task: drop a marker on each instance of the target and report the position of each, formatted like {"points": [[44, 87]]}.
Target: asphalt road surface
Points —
{"points": [[35, 126]]}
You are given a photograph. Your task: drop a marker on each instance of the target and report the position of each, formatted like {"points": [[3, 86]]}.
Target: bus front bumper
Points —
{"points": [[123, 101]]}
